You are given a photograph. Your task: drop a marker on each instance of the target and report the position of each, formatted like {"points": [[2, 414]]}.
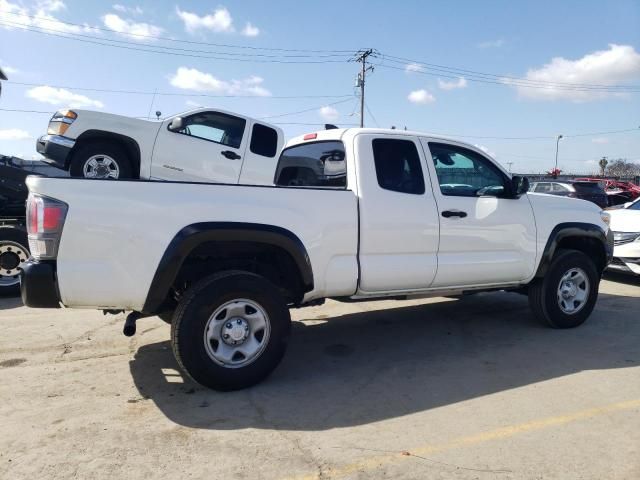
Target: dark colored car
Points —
{"points": [[591, 191]]}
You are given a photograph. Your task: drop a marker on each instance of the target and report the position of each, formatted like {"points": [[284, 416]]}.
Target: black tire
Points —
{"points": [[193, 313], [8, 237], [543, 293], [112, 150]]}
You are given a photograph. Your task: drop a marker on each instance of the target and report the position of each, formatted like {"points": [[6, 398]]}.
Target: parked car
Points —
{"points": [[625, 224], [202, 145], [224, 263], [618, 192], [590, 191]]}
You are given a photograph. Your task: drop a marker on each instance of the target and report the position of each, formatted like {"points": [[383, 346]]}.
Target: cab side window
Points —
{"points": [[264, 141], [398, 165], [215, 127], [464, 173]]}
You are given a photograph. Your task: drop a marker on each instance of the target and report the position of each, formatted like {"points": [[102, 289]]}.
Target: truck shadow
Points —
{"points": [[366, 367]]}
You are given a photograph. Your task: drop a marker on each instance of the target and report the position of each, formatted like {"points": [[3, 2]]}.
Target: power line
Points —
{"points": [[474, 75], [504, 83], [305, 110], [178, 94], [153, 49], [371, 115], [170, 39]]}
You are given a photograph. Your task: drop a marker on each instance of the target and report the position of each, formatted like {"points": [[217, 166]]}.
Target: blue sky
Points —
{"points": [[595, 43]]}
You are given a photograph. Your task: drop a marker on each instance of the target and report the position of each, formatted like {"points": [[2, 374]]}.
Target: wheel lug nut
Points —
{"points": [[239, 322], [225, 336], [228, 325]]}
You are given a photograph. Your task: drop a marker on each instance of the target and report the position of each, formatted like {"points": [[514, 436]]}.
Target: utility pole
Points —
{"points": [[361, 57]]}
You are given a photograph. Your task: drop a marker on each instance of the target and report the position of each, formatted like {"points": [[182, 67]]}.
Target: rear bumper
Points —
{"points": [[38, 286], [55, 149]]}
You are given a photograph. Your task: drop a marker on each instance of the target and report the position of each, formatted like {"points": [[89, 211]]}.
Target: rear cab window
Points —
{"points": [[314, 165]]}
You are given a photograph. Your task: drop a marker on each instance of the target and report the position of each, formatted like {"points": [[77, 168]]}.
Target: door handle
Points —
{"points": [[453, 213], [231, 155]]}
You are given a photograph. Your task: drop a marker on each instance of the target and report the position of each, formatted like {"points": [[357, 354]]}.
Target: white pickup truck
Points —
{"points": [[200, 145], [355, 214]]}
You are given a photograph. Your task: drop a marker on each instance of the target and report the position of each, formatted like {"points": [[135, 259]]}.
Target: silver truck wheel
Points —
{"points": [[237, 333], [101, 166], [573, 291]]}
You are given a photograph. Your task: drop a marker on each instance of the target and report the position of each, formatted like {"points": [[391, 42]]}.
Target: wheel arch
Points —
{"points": [[229, 243], [585, 237], [130, 146]]}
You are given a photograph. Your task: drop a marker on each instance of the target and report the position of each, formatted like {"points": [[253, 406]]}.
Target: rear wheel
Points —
{"points": [[567, 294], [100, 160], [14, 251], [230, 330]]}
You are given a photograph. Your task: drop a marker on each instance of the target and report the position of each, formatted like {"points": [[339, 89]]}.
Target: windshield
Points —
{"points": [[635, 205]]}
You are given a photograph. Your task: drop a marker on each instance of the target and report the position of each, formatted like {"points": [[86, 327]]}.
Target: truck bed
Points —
{"points": [[138, 220]]}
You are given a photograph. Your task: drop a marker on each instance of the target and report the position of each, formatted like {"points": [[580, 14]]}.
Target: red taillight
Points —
{"points": [[310, 136], [45, 219], [52, 218]]}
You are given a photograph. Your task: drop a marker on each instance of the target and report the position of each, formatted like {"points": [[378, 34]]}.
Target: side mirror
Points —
{"points": [[519, 185], [176, 124]]}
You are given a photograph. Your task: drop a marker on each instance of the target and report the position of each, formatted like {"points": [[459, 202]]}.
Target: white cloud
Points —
{"points": [[219, 21], [421, 97], [250, 30], [192, 104], [617, 65], [61, 96], [38, 16], [452, 85], [600, 140], [193, 79], [130, 29], [491, 43], [14, 134], [413, 68], [329, 114], [130, 10]]}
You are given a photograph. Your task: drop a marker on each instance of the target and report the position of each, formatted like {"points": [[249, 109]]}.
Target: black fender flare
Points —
{"points": [[573, 229], [191, 236]]}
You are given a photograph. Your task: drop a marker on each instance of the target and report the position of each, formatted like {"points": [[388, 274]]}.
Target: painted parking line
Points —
{"points": [[375, 462]]}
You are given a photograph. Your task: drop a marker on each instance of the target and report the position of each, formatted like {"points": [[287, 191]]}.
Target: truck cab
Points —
{"points": [[202, 145]]}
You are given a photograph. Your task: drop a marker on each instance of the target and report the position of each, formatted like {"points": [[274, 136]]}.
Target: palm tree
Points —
{"points": [[603, 165]]}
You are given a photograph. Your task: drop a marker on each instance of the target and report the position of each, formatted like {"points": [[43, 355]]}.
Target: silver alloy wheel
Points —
{"points": [[12, 257], [573, 291], [101, 166], [237, 333]]}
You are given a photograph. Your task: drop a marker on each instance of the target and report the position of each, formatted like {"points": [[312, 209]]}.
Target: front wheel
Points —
{"points": [[100, 160], [14, 251], [567, 294], [230, 330]]}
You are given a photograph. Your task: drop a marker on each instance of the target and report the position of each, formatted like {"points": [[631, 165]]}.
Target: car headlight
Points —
{"points": [[626, 237], [606, 217], [59, 123]]}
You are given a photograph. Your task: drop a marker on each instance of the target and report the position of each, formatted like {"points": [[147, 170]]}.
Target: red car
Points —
{"points": [[617, 192]]}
